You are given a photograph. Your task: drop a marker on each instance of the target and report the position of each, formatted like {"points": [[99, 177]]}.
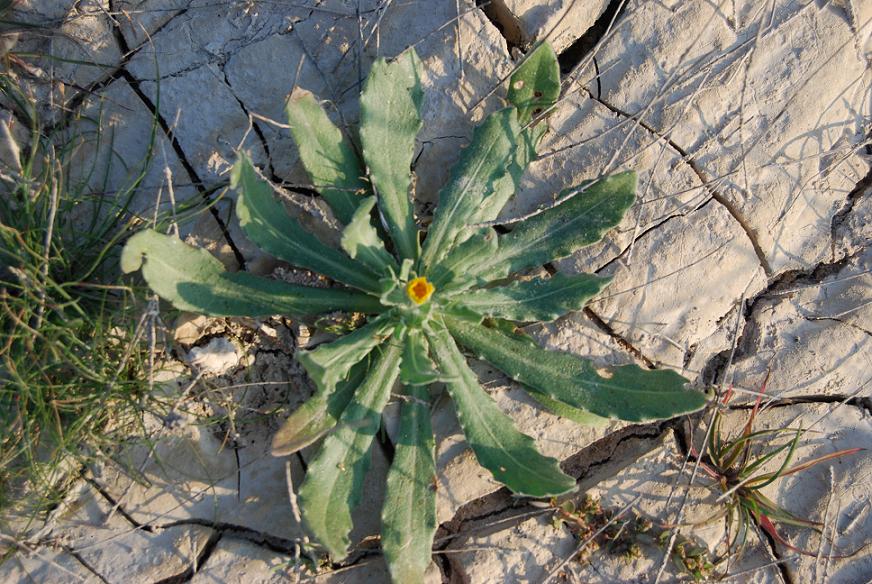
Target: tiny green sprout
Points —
{"points": [[425, 295], [733, 463]]}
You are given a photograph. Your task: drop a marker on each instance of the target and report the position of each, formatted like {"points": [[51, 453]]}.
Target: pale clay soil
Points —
{"points": [[747, 253]]}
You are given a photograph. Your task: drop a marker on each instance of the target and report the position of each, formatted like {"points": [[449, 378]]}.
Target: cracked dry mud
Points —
{"points": [[747, 255]]}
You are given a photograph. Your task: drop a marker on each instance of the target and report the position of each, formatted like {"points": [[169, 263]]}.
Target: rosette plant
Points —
{"points": [[424, 297]]}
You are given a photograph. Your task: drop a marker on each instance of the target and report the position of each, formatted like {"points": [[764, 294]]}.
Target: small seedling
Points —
{"points": [[423, 297], [598, 526], [735, 468]]}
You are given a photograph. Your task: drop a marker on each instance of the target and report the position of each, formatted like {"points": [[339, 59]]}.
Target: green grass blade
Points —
{"points": [[318, 415], [334, 479], [265, 221], [330, 363], [539, 299], [627, 392], [578, 221], [361, 241], [409, 512], [333, 166], [509, 455], [483, 163], [535, 86], [192, 279], [390, 117]]}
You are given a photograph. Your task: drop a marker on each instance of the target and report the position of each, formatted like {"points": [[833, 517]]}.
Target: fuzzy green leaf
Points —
{"points": [[508, 454], [482, 166], [390, 117], [330, 363], [318, 414], [577, 415], [506, 186], [334, 479], [409, 511], [333, 166], [417, 368], [193, 279], [266, 223], [452, 272], [627, 392], [361, 241], [576, 222], [535, 86], [538, 299]]}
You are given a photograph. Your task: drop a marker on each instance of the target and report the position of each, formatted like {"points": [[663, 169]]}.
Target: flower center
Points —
{"points": [[420, 290]]}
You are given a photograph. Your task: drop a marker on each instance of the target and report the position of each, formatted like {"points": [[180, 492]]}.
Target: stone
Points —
{"points": [[235, 561], [217, 357], [810, 337], [121, 154], [45, 565], [768, 108], [560, 22]]}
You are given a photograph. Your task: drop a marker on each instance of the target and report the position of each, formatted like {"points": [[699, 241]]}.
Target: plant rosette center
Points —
{"points": [[420, 290]]}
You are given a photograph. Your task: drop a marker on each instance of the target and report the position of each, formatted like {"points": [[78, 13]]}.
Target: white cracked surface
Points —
{"points": [[748, 124]]}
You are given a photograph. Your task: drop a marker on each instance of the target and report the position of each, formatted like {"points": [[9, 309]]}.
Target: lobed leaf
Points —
{"points": [[481, 167], [390, 117], [318, 414], [409, 511], [265, 222], [539, 299], [578, 221], [334, 479], [330, 363], [627, 392], [535, 86], [193, 279], [509, 455], [361, 241], [327, 154]]}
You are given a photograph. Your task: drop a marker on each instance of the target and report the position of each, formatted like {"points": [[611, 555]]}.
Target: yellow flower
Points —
{"points": [[420, 290]]}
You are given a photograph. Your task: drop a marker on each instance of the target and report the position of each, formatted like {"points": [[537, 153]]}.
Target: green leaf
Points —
{"points": [[627, 392], [327, 154], [577, 415], [417, 368], [482, 165], [506, 186], [390, 117], [333, 482], [409, 511], [578, 221], [452, 272], [538, 299], [535, 86], [508, 454], [265, 221], [318, 414], [192, 279], [330, 363], [361, 241]]}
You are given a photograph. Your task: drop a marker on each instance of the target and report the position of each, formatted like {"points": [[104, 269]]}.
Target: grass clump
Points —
{"points": [[73, 349]]}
